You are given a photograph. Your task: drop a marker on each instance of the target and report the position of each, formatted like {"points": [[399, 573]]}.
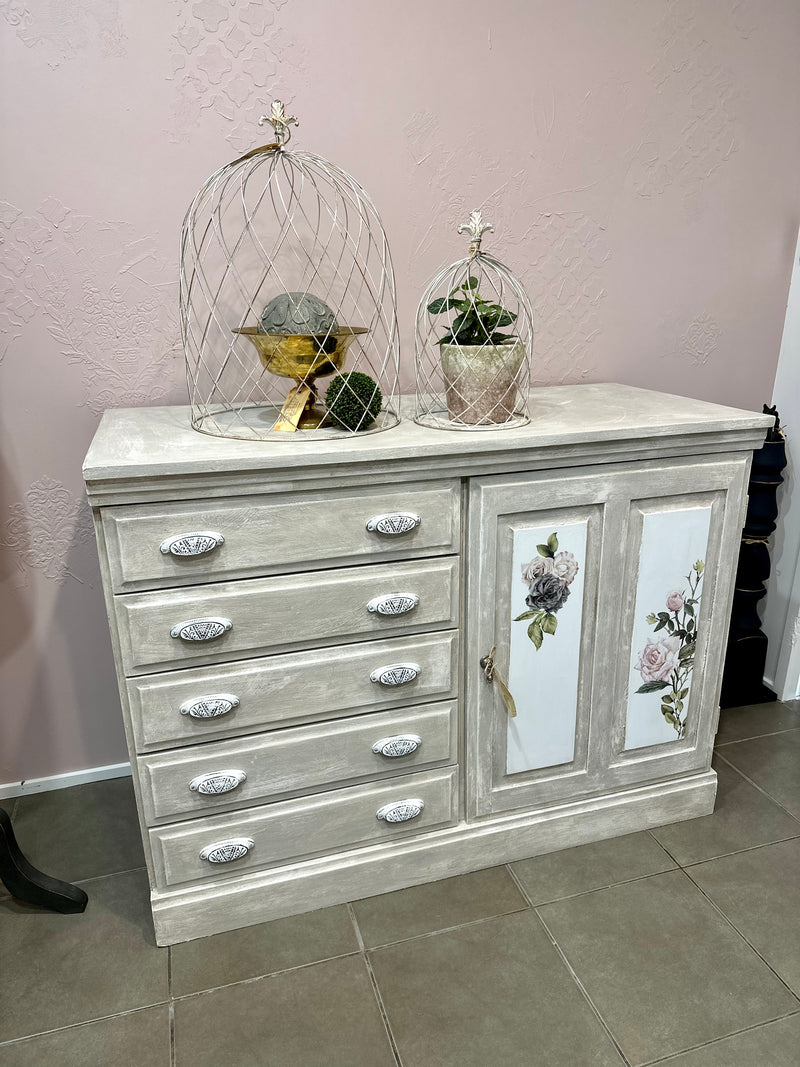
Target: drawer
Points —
{"points": [[277, 691], [273, 534], [262, 615], [305, 758], [293, 829]]}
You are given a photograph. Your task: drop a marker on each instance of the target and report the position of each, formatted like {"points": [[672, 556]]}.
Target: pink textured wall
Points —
{"points": [[639, 161]]}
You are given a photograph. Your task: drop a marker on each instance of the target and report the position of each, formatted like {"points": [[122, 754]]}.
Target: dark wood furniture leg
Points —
{"points": [[25, 883]]}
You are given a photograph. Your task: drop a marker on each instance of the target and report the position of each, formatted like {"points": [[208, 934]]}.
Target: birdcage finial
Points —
{"points": [[476, 228], [279, 121]]}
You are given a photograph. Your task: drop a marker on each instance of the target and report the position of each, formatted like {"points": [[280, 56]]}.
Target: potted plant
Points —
{"points": [[480, 363]]}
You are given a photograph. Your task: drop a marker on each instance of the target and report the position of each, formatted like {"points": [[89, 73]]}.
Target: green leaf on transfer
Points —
{"points": [[686, 651], [651, 619], [652, 687], [544, 550], [535, 634], [549, 623], [552, 540], [527, 615]]}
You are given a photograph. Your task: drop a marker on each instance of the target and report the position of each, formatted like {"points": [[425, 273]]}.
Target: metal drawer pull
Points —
{"points": [[192, 544], [393, 603], [401, 810], [217, 782], [201, 629], [396, 522], [227, 851], [210, 707], [396, 673], [399, 745]]}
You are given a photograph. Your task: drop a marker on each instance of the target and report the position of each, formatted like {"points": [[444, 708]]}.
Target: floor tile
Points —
{"points": [[325, 1015], [771, 1045], [603, 863], [141, 1037], [754, 720], [663, 967], [82, 832], [259, 950], [759, 891], [773, 763], [437, 905], [743, 817], [63, 969], [496, 992]]}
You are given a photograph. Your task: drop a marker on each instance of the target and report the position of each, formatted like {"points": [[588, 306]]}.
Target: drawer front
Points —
{"points": [[229, 774], [152, 545], [329, 822], [179, 708], [249, 618]]}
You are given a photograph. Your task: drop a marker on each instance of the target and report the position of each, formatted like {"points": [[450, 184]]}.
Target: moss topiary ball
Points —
{"points": [[353, 401]]}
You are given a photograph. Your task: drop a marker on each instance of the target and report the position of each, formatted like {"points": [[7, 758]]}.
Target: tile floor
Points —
{"points": [[679, 946]]}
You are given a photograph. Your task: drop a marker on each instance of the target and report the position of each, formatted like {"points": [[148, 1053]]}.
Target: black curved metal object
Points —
{"points": [[26, 883]]}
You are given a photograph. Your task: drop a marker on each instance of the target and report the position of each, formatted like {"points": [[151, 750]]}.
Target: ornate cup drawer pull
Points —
{"points": [[396, 673], [201, 629], [227, 851], [217, 782], [399, 745], [393, 603], [401, 810], [192, 544], [395, 523], [210, 707]]}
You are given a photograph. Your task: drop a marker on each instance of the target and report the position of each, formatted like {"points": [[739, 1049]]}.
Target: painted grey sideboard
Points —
{"points": [[298, 629]]}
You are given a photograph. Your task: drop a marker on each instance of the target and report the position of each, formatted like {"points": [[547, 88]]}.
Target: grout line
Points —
{"points": [[83, 1022], [356, 927], [739, 933], [718, 1040], [756, 737], [382, 1009], [566, 962], [169, 971], [582, 988], [444, 930], [261, 977], [756, 786], [374, 983], [740, 851], [600, 888], [172, 1060]]}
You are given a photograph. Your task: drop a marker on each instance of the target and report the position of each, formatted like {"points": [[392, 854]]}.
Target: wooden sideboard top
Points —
{"points": [[153, 453]]}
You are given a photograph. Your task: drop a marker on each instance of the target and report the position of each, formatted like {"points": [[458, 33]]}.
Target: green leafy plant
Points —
{"points": [[477, 321], [353, 401]]}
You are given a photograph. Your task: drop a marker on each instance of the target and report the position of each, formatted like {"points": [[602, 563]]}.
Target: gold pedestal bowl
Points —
{"points": [[303, 357]]}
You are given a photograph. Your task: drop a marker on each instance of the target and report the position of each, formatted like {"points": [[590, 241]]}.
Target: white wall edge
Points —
{"points": [[63, 781]]}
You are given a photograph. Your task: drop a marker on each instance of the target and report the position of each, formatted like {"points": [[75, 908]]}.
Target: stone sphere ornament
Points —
{"points": [[297, 313], [286, 281]]}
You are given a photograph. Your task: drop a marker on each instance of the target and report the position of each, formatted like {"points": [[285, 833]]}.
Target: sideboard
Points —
{"points": [[349, 666]]}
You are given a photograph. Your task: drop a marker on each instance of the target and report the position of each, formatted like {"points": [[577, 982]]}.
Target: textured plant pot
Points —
{"points": [[481, 381]]}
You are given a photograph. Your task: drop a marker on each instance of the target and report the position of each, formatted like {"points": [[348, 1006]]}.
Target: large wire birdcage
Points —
{"points": [[474, 333], [286, 280]]}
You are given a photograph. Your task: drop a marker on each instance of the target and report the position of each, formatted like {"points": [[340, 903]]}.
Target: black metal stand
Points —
{"points": [[742, 679], [25, 883]]}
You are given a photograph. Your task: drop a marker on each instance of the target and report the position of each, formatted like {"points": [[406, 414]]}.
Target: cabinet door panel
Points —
{"points": [[532, 592]]}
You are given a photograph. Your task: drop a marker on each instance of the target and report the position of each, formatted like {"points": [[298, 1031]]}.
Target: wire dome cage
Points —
{"points": [[474, 334], [287, 299]]}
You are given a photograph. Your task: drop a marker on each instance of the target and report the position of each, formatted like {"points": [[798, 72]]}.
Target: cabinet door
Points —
{"points": [[565, 571]]}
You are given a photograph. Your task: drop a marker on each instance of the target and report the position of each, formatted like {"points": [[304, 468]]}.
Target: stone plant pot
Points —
{"points": [[480, 381]]}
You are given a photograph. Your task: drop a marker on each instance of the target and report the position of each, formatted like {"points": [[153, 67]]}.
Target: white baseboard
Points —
{"points": [[62, 781]]}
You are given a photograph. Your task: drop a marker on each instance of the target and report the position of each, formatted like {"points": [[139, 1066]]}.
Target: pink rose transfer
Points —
{"points": [[659, 659]]}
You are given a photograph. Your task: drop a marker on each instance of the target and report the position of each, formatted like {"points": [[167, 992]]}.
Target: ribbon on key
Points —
{"points": [[491, 674]]}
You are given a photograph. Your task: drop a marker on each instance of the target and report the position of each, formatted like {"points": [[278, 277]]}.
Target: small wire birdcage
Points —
{"points": [[286, 279], [474, 334]]}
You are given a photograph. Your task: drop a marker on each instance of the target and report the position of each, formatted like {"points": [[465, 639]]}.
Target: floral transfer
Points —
{"points": [[666, 662], [548, 577]]}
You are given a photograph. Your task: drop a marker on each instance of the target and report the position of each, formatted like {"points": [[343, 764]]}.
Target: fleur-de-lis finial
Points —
{"points": [[476, 228], [279, 121]]}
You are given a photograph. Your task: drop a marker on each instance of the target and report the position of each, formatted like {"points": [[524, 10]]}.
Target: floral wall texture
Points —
{"points": [[639, 161]]}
